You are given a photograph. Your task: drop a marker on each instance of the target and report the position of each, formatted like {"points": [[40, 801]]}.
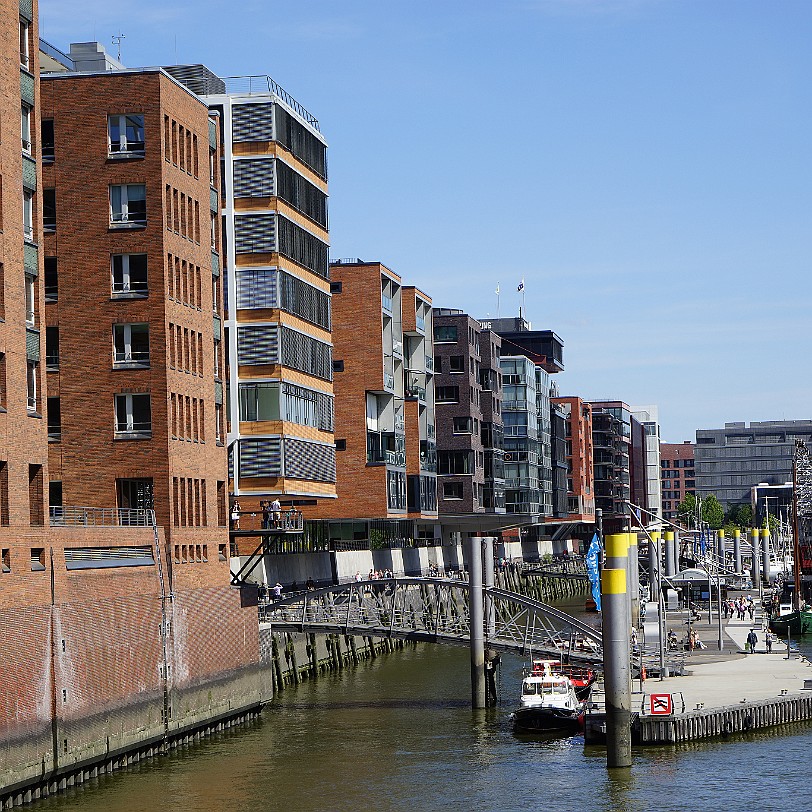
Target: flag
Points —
{"points": [[521, 286], [592, 559], [497, 288], [703, 544]]}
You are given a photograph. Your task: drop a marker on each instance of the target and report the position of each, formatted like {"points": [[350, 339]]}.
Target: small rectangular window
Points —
{"points": [[28, 214], [24, 49], [128, 204], [26, 129], [445, 333], [452, 490], [133, 415], [131, 345], [126, 134], [49, 210], [52, 348], [36, 499], [6, 560], [129, 275], [54, 420], [463, 425], [32, 371], [456, 363], [51, 280], [47, 140]]}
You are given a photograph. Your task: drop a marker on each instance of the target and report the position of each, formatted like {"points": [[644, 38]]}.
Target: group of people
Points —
{"points": [[743, 608], [276, 590], [273, 518], [375, 575]]}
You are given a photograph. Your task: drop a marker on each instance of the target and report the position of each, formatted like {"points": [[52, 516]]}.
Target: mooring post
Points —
{"points": [[737, 551], [491, 656], [633, 579], [755, 567], [616, 654], [653, 564], [670, 568], [765, 554], [476, 620]]}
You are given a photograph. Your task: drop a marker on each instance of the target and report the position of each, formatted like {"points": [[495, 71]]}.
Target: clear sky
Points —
{"points": [[643, 165]]}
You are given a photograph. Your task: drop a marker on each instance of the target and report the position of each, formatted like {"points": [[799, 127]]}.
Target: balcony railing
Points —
{"points": [[134, 357], [429, 364], [72, 516], [388, 381]]}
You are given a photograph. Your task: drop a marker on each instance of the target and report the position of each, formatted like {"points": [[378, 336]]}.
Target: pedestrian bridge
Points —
{"points": [[434, 610]]}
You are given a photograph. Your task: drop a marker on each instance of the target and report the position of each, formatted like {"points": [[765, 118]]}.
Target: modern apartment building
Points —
{"points": [[279, 351], [579, 457], [385, 421], [731, 460], [678, 476], [469, 416], [649, 418]]}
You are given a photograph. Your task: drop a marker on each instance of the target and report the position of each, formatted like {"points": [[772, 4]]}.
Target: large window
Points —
{"points": [[31, 372], [129, 274], [447, 394], [30, 300], [133, 415], [24, 49], [128, 204], [131, 344], [259, 401], [445, 332], [126, 134]]}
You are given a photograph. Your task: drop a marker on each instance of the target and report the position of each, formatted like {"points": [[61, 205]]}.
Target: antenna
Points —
{"points": [[116, 39]]}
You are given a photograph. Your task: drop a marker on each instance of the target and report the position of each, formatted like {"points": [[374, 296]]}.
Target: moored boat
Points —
{"points": [[581, 677], [797, 623], [548, 704]]}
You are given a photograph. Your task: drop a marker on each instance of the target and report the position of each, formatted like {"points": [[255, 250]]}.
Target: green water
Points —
{"points": [[397, 733]]}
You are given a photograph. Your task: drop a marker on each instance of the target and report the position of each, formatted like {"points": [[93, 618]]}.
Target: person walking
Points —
{"points": [[752, 639], [769, 637]]}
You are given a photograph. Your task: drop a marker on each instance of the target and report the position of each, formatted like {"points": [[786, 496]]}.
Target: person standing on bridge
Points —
{"points": [[276, 591], [235, 515]]}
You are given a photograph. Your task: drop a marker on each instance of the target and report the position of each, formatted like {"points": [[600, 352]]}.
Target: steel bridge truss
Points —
{"points": [[434, 610]]}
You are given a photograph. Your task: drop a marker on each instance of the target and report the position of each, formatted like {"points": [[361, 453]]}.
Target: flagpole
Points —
{"points": [[497, 300]]}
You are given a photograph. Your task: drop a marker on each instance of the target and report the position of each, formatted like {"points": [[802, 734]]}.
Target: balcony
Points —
{"points": [[397, 349], [386, 303], [389, 381], [429, 364], [416, 386], [71, 516]]}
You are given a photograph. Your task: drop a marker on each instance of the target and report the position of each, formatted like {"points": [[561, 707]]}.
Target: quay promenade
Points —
{"points": [[721, 693]]}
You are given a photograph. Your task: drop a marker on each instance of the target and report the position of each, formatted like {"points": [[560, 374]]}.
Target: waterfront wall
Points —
{"points": [[100, 662]]}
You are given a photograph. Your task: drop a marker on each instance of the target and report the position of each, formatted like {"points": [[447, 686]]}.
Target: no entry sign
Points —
{"points": [[661, 704]]}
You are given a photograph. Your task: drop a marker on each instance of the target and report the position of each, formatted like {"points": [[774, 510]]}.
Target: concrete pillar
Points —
{"points": [[755, 568], [654, 565], [616, 669], [477, 622], [670, 565], [491, 656], [633, 579], [765, 555], [737, 551]]}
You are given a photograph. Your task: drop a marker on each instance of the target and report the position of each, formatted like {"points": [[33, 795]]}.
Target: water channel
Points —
{"points": [[397, 733]]}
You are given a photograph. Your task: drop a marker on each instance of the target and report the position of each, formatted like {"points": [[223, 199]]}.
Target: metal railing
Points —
{"points": [[264, 84], [73, 516]]}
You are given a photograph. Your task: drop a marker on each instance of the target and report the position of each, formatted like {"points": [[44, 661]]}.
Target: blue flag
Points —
{"points": [[593, 555], [703, 544]]}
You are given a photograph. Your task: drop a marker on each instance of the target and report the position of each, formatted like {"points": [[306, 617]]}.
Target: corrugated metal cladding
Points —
{"points": [[256, 288], [304, 300], [303, 248], [301, 142], [252, 122], [261, 457], [307, 354], [254, 177], [301, 193], [258, 345], [325, 405], [255, 234], [305, 460]]}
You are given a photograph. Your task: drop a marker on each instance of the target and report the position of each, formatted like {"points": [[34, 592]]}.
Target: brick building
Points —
{"points": [[678, 475], [579, 458], [273, 205], [468, 392], [384, 385]]}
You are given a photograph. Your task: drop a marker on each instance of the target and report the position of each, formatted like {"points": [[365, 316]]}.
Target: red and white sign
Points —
{"points": [[661, 704]]}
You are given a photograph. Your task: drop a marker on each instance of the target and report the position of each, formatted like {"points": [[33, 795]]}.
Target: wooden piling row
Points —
{"points": [[545, 588]]}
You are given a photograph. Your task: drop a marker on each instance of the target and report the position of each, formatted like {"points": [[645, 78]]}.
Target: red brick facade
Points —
{"points": [[677, 475]]}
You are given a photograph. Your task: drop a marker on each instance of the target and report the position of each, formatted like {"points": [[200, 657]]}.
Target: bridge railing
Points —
{"points": [[79, 516]]}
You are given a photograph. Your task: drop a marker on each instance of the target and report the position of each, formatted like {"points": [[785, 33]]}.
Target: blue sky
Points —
{"points": [[644, 165]]}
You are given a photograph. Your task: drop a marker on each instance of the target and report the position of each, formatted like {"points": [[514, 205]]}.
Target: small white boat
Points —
{"points": [[548, 704]]}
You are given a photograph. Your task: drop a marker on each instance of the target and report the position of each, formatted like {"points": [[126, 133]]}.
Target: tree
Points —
{"points": [[712, 512], [773, 524], [740, 516], [686, 510]]}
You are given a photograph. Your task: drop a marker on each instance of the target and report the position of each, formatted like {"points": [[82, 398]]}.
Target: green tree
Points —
{"points": [[686, 510], [773, 524], [712, 512], [744, 516]]}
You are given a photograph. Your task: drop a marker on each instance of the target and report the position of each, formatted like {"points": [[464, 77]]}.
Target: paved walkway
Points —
{"points": [[732, 677]]}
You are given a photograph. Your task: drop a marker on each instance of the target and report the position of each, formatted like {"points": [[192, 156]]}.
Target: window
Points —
{"points": [[36, 503], [49, 209], [129, 275], [37, 559], [51, 348], [128, 204], [51, 280], [259, 401], [456, 363], [6, 559], [31, 371], [452, 490], [24, 52], [463, 425], [54, 420], [131, 344], [447, 394], [28, 214], [133, 414], [30, 300], [26, 129], [445, 332], [126, 134], [47, 140]]}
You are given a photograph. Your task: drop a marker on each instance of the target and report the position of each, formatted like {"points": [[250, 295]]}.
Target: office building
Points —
{"points": [[648, 417], [579, 458], [731, 460]]}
